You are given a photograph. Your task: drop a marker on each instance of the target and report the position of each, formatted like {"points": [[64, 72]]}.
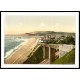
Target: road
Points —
{"points": [[22, 53]]}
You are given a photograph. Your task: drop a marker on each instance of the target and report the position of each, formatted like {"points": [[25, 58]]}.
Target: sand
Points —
{"points": [[21, 53]]}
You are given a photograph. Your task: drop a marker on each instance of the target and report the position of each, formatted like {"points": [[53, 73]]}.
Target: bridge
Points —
{"points": [[54, 51], [49, 51]]}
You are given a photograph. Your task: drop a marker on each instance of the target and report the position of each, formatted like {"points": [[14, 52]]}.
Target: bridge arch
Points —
{"points": [[49, 53]]}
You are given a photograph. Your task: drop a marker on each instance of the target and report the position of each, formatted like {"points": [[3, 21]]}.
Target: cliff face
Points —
{"points": [[28, 34]]}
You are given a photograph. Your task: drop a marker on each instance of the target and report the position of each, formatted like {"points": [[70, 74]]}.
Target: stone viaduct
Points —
{"points": [[54, 51], [49, 51]]}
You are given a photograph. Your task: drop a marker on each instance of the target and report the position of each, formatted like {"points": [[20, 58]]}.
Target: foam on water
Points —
{"points": [[16, 44]]}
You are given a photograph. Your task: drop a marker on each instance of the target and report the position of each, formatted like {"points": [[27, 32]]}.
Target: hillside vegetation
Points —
{"points": [[42, 33], [36, 58], [68, 58]]}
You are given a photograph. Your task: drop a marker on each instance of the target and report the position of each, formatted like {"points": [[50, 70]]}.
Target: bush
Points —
{"points": [[68, 40]]}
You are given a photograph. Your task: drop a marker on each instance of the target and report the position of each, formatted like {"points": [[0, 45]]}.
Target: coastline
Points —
{"points": [[8, 53], [22, 52]]}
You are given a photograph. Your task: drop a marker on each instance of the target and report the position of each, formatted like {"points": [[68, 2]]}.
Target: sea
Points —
{"points": [[11, 42]]}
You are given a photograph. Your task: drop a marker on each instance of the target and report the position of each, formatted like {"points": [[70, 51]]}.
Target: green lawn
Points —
{"points": [[68, 58]]}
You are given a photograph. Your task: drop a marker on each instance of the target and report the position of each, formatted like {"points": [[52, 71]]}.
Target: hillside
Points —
{"points": [[69, 58], [41, 33], [36, 58]]}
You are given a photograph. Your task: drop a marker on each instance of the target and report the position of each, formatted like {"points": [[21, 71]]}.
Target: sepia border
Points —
{"points": [[11, 67]]}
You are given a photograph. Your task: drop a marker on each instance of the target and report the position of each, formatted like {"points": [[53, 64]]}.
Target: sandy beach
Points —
{"points": [[21, 54]]}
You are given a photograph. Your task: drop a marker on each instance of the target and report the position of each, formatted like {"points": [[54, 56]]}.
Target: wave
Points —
{"points": [[8, 53], [12, 43]]}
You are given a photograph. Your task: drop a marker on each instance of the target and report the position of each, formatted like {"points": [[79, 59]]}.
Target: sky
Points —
{"points": [[15, 24]]}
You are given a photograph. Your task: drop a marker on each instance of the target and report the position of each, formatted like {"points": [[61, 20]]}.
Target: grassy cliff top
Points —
{"points": [[68, 58]]}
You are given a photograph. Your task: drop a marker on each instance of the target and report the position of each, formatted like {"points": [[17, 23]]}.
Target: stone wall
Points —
{"points": [[64, 48], [49, 51]]}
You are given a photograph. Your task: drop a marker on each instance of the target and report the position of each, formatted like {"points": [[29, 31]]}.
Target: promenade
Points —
{"points": [[22, 53]]}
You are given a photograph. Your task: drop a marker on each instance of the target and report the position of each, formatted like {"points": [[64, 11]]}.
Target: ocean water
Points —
{"points": [[11, 42]]}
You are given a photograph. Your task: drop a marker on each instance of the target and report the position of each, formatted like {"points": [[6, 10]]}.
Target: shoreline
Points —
{"points": [[8, 53], [22, 52]]}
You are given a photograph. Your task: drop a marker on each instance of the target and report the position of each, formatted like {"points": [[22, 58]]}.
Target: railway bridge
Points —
{"points": [[49, 51], [54, 51]]}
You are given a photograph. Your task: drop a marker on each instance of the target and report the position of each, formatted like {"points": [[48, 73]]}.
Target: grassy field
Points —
{"points": [[36, 58], [68, 58]]}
